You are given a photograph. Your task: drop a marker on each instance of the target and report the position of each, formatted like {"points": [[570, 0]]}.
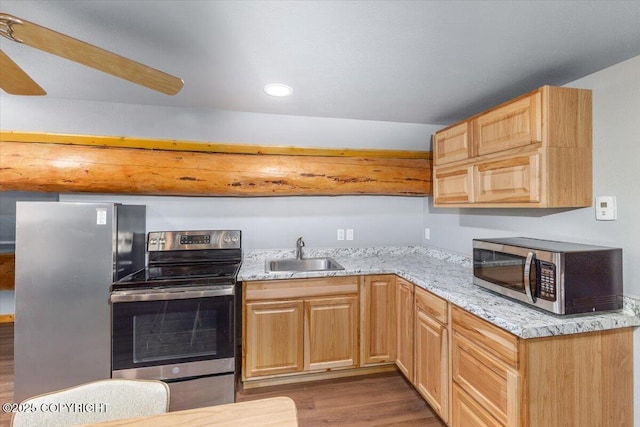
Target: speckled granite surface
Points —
{"points": [[450, 277]]}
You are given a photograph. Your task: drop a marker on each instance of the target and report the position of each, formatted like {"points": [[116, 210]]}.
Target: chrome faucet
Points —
{"points": [[299, 245]]}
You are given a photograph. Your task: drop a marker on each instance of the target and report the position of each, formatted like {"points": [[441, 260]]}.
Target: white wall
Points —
{"points": [[616, 150], [42, 114], [277, 222], [265, 222]]}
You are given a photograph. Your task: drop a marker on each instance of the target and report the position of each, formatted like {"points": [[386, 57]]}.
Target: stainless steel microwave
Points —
{"points": [[560, 277]]}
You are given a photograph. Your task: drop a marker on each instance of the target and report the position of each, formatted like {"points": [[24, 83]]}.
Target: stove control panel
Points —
{"points": [[193, 239]]}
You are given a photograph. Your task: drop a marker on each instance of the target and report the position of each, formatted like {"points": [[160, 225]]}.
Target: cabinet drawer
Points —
{"points": [[453, 185], [466, 412], [491, 338], [452, 144], [300, 288], [432, 305], [515, 124], [489, 381], [515, 179]]}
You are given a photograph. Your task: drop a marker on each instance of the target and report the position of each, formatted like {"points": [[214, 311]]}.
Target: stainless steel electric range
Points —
{"points": [[175, 319]]}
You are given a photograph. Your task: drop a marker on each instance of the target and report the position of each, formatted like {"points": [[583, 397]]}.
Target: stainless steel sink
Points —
{"points": [[306, 264]]}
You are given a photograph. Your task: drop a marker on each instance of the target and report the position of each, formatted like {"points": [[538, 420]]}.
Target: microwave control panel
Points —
{"points": [[547, 274]]}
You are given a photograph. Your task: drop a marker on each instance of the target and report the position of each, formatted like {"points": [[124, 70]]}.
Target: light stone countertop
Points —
{"points": [[450, 277]]}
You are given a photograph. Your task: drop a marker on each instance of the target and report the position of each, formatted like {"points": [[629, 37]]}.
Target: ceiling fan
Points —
{"points": [[16, 81]]}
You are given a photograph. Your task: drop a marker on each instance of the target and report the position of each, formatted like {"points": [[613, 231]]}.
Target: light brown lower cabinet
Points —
{"points": [[275, 331], [331, 338], [465, 411], [297, 326], [378, 320], [405, 328], [432, 351], [488, 380], [471, 372], [497, 378]]}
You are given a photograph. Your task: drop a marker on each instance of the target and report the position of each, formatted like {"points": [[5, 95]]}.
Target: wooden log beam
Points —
{"points": [[7, 271], [207, 147], [28, 166]]}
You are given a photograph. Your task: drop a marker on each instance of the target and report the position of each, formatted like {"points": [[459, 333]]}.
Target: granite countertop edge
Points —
{"points": [[448, 276]]}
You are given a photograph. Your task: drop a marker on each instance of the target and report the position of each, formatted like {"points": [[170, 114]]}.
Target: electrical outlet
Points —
{"points": [[427, 233], [349, 233], [340, 233]]}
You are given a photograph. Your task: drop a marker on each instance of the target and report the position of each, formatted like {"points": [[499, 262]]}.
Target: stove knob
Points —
{"points": [[227, 239], [234, 238]]}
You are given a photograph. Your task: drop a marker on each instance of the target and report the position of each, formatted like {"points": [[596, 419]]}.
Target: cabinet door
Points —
{"points": [[465, 412], [515, 124], [378, 342], [516, 179], [453, 185], [486, 379], [432, 369], [331, 340], [452, 144], [404, 331], [273, 338]]}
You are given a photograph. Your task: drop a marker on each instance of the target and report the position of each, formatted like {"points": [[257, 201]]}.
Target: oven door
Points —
{"points": [[173, 333]]}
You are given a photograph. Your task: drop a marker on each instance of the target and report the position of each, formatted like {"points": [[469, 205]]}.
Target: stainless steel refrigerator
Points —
{"points": [[67, 257]]}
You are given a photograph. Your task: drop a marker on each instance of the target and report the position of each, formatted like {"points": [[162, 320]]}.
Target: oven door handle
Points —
{"points": [[527, 277], [173, 294]]}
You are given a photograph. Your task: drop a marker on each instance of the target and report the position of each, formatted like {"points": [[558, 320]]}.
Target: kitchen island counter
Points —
{"points": [[449, 276]]}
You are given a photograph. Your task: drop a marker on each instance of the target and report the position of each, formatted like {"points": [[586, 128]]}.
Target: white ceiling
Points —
{"points": [[431, 62]]}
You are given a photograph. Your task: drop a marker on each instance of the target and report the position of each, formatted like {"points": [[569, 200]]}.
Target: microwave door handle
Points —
{"points": [[527, 276]]}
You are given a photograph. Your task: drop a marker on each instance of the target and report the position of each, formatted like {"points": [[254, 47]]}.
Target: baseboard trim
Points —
{"points": [[316, 376]]}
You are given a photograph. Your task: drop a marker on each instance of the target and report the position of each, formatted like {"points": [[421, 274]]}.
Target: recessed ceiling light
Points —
{"points": [[278, 89]]}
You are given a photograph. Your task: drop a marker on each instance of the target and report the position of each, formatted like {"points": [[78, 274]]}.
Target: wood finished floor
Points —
{"points": [[6, 370], [369, 401]]}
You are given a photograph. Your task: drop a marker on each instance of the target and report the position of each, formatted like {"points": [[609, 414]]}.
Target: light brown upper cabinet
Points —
{"points": [[452, 144], [533, 151]]}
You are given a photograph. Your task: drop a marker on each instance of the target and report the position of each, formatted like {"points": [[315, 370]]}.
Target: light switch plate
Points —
{"points": [[606, 208]]}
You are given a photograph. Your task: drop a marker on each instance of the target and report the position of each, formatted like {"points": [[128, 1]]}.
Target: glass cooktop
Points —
{"points": [[180, 275]]}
